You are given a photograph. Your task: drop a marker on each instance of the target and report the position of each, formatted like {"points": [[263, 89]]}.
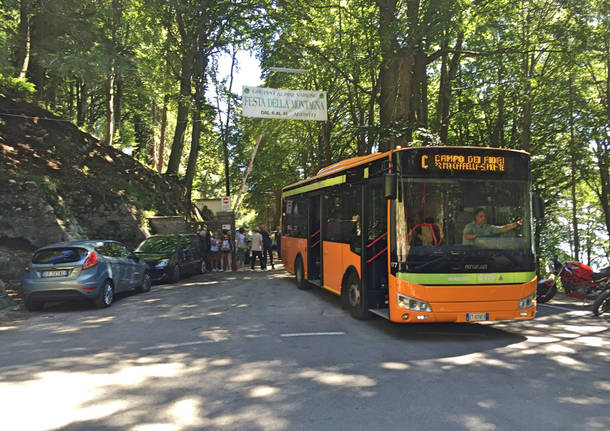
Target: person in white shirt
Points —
{"points": [[257, 249]]}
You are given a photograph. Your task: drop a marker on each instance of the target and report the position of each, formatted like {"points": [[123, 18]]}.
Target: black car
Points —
{"points": [[171, 256]]}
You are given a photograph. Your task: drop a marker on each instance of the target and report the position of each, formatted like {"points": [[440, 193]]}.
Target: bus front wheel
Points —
{"points": [[356, 302]]}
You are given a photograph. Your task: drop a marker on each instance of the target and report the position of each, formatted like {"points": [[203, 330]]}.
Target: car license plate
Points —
{"points": [[46, 274], [475, 317]]}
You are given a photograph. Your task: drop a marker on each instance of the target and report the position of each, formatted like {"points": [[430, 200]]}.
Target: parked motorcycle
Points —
{"points": [[578, 281]]}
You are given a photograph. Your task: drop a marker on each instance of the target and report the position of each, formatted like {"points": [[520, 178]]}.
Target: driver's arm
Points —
{"points": [[510, 226]]}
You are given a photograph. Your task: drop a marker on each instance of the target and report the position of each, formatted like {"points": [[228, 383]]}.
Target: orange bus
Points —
{"points": [[392, 234]]}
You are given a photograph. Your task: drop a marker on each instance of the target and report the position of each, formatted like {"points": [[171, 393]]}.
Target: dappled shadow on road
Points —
{"points": [[215, 358]]}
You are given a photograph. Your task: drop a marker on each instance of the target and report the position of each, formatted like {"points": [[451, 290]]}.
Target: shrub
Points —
{"points": [[16, 88]]}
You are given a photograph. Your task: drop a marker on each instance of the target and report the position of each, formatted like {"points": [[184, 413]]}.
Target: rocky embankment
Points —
{"points": [[58, 183]]}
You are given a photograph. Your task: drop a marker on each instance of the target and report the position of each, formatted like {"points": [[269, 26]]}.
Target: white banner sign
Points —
{"points": [[262, 102]]}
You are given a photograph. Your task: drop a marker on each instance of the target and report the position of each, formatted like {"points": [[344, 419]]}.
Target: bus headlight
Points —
{"points": [[412, 304], [527, 302]]}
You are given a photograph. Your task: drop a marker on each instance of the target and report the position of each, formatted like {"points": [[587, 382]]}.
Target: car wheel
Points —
{"points": [[32, 305], [106, 295], [299, 273], [146, 284], [174, 276], [355, 300]]}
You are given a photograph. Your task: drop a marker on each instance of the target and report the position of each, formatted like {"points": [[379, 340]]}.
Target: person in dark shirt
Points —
{"points": [[204, 247], [267, 246]]}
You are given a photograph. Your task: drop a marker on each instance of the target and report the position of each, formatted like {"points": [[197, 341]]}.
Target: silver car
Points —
{"points": [[87, 269]]}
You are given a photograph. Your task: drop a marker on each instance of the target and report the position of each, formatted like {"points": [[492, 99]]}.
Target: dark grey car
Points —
{"points": [[87, 269]]}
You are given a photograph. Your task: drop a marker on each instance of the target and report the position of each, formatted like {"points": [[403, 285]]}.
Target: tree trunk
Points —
{"points": [[82, 104], [109, 130], [449, 69], [183, 110], [193, 154], [199, 99], [161, 152], [576, 237], [388, 69], [24, 31]]}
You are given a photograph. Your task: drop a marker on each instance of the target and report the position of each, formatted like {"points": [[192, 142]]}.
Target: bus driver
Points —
{"points": [[480, 228]]}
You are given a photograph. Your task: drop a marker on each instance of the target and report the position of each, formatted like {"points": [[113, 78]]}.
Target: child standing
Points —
{"points": [[226, 248], [215, 252]]}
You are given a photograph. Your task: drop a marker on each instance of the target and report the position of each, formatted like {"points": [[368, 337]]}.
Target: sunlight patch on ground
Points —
{"points": [[591, 341], [7, 328], [64, 397], [252, 371], [583, 401], [218, 334], [488, 404], [602, 385], [155, 427], [223, 362], [99, 320], [477, 359], [566, 361], [186, 412], [397, 366], [558, 348], [257, 418], [338, 379], [67, 330], [474, 423], [262, 391]]}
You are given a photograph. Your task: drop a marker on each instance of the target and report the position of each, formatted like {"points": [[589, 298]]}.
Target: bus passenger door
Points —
{"points": [[314, 243], [375, 256]]}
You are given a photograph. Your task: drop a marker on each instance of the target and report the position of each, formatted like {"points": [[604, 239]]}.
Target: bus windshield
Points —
{"points": [[431, 217]]}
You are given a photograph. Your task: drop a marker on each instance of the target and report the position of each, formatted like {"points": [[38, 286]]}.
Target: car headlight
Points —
{"points": [[527, 302], [412, 303], [161, 264]]}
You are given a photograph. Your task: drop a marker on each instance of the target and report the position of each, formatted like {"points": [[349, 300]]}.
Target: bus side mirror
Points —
{"points": [[538, 206], [390, 186]]}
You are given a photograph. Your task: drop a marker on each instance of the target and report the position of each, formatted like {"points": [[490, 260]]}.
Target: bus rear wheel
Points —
{"points": [[355, 299], [299, 273]]}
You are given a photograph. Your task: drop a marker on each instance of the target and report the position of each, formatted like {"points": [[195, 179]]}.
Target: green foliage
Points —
{"points": [[16, 88], [530, 75]]}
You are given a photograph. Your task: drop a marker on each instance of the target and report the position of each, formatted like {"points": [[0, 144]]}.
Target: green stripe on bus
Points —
{"points": [[317, 185], [479, 278]]}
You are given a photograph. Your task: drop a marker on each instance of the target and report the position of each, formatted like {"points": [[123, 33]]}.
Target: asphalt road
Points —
{"points": [[249, 351]]}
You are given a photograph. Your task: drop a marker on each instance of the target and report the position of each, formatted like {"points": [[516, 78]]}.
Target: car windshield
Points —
{"points": [[432, 217], [159, 245], [59, 255]]}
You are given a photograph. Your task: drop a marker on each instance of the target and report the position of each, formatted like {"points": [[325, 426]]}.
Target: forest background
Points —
{"points": [[143, 76]]}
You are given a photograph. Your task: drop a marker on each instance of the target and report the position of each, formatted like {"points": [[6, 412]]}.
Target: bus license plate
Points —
{"points": [[46, 274], [475, 317]]}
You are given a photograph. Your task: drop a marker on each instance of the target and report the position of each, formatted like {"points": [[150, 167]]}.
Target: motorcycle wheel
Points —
{"points": [[602, 303], [548, 295]]}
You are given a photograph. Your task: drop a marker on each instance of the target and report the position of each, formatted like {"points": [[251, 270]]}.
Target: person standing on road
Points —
{"points": [[215, 252], [267, 246], [257, 250], [204, 247], [226, 248], [242, 248]]}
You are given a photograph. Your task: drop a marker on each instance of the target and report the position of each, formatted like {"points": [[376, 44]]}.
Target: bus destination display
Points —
{"points": [[462, 162]]}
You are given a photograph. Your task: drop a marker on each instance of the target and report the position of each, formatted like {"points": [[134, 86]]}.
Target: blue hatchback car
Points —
{"points": [[87, 269]]}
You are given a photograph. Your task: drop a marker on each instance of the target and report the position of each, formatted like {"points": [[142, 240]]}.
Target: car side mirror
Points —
{"points": [[389, 186]]}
